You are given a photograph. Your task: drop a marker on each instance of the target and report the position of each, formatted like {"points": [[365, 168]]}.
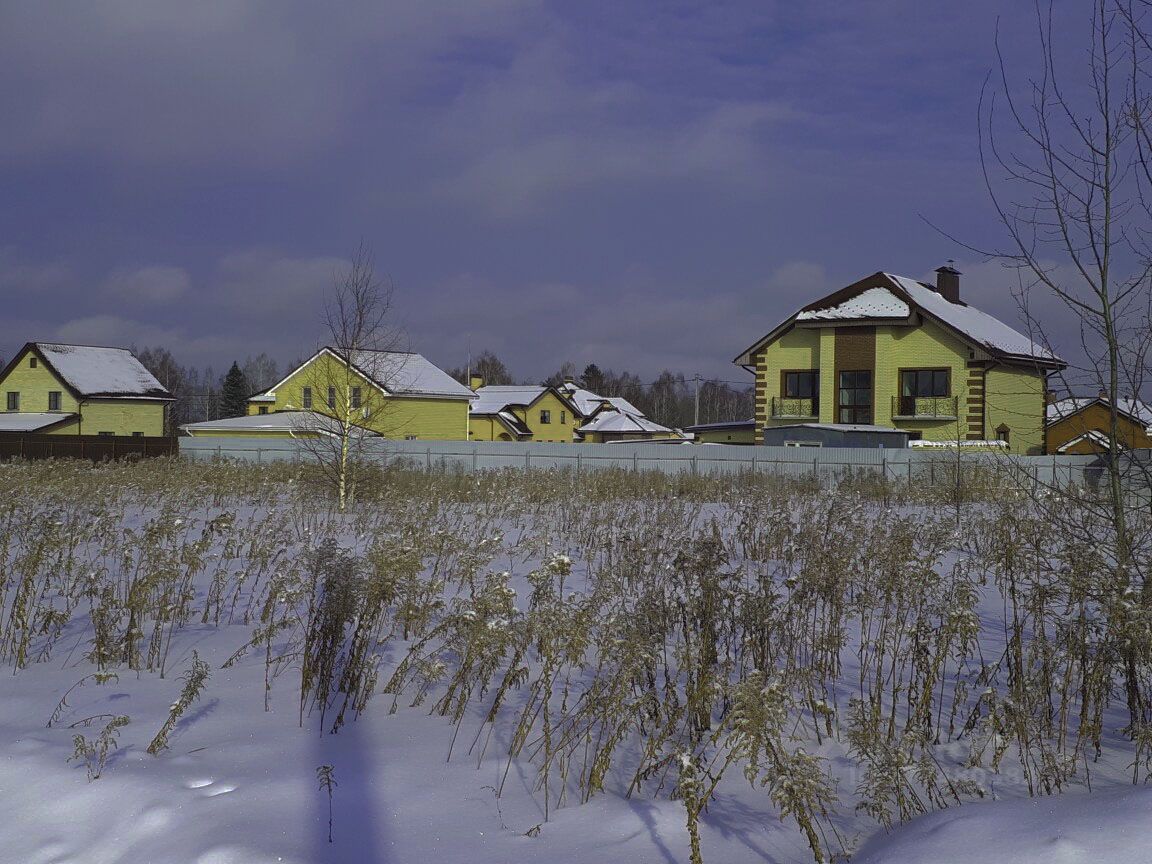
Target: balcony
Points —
{"points": [[784, 408], [925, 407]]}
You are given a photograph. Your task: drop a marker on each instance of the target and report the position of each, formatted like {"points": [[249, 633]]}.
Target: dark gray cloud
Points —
{"points": [[638, 184]]}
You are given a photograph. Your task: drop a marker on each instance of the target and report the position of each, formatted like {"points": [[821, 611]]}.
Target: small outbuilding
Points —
{"points": [[730, 432], [836, 435]]}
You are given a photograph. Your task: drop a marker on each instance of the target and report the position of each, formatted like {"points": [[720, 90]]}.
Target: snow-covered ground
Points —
{"points": [[238, 782]]}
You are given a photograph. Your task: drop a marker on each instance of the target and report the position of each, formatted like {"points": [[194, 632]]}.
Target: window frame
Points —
{"points": [[306, 398], [814, 374], [12, 400], [545, 417], [54, 398], [331, 400], [860, 413], [33, 363], [920, 370], [356, 398]]}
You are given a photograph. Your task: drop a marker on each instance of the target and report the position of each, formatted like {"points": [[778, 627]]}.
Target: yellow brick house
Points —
{"points": [[395, 394], [896, 352], [59, 389]]}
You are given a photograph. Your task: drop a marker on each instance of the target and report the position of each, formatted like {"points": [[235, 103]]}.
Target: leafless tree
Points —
{"points": [[348, 383], [1066, 165]]}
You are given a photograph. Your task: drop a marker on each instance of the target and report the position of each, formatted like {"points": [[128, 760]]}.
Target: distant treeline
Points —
{"points": [[203, 394]]}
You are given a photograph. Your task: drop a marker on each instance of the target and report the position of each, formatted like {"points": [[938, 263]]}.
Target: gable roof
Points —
{"points": [[888, 297], [492, 399], [95, 372], [395, 373], [1135, 410], [620, 422], [588, 403]]}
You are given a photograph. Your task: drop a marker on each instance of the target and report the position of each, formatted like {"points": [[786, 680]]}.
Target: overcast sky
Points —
{"points": [[637, 184]]}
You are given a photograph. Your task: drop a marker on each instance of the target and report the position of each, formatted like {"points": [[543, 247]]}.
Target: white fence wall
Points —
{"points": [[826, 463]]}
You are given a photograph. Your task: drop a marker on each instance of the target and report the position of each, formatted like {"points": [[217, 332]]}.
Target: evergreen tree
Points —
{"points": [[234, 394]]}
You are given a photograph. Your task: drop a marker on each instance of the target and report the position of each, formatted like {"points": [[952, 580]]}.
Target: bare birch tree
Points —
{"points": [[349, 381]]}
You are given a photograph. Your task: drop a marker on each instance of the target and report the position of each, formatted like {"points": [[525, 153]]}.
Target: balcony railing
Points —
{"points": [[925, 407], [788, 408]]}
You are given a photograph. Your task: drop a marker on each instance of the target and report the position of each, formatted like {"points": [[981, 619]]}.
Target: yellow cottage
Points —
{"points": [[396, 394], [523, 413], [892, 351], [60, 389]]}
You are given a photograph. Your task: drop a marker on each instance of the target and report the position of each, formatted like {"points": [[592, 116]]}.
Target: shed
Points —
{"points": [[836, 435]]}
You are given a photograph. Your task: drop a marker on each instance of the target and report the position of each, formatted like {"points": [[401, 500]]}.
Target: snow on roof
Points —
{"points": [[872, 303], [514, 422], [98, 372], [589, 402], [493, 399], [280, 421], [30, 421], [408, 373], [619, 422], [1093, 436], [1134, 408], [978, 326]]}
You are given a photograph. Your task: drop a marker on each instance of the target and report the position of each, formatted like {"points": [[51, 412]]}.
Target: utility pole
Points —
{"points": [[696, 421]]}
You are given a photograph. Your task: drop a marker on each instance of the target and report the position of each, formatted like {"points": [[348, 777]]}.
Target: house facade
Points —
{"points": [[397, 395], [895, 352], [59, 389], [522, 413], [1082, 425]]}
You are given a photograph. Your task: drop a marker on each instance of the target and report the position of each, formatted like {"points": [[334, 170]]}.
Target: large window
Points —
{"points": [[545, 415], [925, 382], [855, 397], [802, 385]]}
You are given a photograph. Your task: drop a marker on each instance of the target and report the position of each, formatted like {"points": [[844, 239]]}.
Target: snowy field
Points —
{"points": [[545, 667]]}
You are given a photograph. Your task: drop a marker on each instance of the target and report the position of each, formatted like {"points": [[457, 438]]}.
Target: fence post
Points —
{"points": [[428, 458], [259, 456], [578, 461], [815, 468], [527, 458], [635, 462], [753, 461], [474, 456], [884, 466], [695, 468]]}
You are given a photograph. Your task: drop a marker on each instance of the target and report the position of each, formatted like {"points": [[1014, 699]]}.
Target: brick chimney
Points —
{"points": [[948, 282]]}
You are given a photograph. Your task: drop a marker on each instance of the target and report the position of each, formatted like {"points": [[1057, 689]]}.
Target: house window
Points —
{"points": [[53, 400], [107, 434], [802, 385], [263, 409], [925, 382], [306, 398], [13, 401], [856, 397], [409, 437], [803, 444], [1003, 433], [355, 397], [563, 418], [331, 397], [545, 415], [31, 362], [137, 434]]}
